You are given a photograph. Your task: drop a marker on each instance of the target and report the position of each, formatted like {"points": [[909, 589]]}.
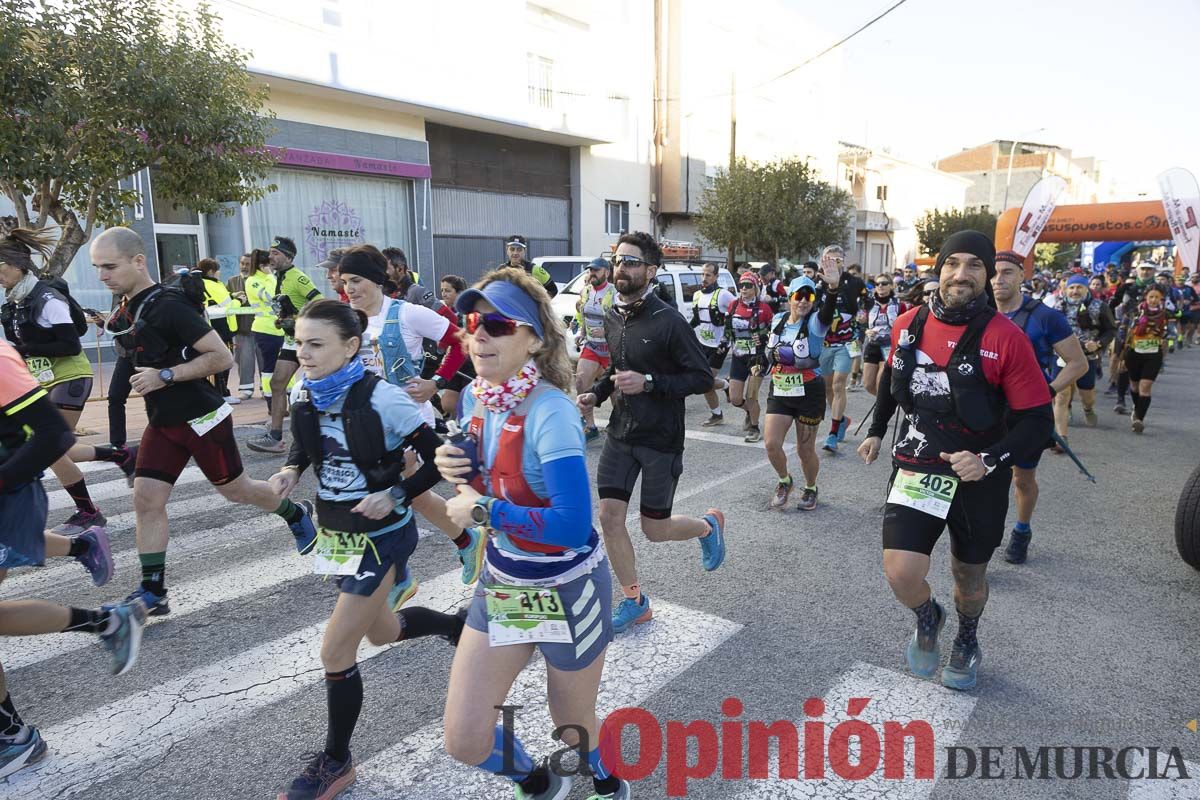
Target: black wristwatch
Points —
{"points": [[990, 462], [167, 376], [649, 383], [440, 382]]}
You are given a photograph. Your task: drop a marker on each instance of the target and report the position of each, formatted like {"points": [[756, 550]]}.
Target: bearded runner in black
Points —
{"points": [[975, 402]]}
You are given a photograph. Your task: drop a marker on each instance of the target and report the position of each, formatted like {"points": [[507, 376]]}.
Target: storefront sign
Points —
{"points": [[331, 225], [315, 159]]}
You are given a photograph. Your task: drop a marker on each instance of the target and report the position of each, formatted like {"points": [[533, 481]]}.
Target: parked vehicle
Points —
{"points": [[1187, 521], [562, 268]]}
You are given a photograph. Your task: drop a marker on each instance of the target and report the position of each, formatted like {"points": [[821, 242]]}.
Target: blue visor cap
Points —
{"points": [[802, 282], [509, 299]]}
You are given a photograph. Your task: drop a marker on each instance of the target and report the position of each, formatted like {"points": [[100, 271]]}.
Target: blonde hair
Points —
{"points": [[551, 359]]}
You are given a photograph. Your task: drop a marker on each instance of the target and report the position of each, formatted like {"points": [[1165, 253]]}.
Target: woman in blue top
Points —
{"points": [[797, 391], [527, 483], [352, 426]]}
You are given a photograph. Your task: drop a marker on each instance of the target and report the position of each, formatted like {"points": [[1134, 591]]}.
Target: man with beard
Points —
{"points": [[594, 302], [975, 403], [657, 361]]}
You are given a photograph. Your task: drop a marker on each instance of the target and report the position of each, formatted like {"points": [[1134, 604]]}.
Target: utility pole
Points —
{"points": [[732, 147]]}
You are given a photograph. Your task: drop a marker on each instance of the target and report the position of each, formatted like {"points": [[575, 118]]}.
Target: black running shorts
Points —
{"points": [[976, 521], [620, 465]]}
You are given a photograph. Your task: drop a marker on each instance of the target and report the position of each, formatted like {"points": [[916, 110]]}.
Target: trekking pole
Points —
{"points": [[1061, 442]]}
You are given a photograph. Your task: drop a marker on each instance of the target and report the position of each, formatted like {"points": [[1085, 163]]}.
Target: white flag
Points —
{"points": [[1181, 200], [1035, 212]]}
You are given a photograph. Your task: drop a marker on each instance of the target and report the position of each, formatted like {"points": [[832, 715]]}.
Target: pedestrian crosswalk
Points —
{"points": [[233, 554]]}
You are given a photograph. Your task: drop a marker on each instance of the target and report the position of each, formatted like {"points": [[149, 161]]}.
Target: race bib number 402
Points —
{"points": [[931, 494]]}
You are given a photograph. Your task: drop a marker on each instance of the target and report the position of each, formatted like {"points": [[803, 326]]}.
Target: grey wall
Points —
{"points": [[226, 240]]}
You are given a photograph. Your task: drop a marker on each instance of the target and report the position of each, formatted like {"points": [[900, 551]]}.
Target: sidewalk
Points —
{"points": [[93, 423]]}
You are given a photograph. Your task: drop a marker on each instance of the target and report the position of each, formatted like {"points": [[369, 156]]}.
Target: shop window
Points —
{"points": [[616, 216]]}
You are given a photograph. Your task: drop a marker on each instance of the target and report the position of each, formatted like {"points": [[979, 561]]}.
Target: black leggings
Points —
{"points": [[118, 394]]}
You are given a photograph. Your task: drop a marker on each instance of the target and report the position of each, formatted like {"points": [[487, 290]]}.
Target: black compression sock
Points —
{"points": [[1122, 386], [1141, 404], [88, 621], [927, 614], [966, 630], [536, 782], [110, 454], [608, 785], [417, 622], [79, 494], [10, 721], [344, 694], [78, 547]]}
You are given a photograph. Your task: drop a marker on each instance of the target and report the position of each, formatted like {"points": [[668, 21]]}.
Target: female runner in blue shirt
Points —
{"points": [[533, 495]]}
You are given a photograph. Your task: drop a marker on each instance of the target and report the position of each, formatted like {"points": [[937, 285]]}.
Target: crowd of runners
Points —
{"points": [[389, 388]]}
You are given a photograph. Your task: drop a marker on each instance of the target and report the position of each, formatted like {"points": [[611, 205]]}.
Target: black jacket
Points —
{"points": [[654, 339]]}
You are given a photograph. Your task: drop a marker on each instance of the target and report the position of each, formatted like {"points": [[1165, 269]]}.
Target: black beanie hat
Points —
{"points": [[360, 262], [973, 242], [284, 245]]}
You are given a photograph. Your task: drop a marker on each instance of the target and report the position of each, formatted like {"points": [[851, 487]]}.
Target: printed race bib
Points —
{"points": [[595, 334], [202, 425], [41, 368], [524, 614], [788, 384], [931, 494], [338, 553], [708, 335], [1147, 346], [854, 348]]}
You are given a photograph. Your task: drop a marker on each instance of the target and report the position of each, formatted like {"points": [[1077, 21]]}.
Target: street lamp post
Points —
{"points": [[1008, 179]]}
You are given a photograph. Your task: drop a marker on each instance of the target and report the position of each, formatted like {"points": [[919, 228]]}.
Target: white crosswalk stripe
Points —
{"points": [[109, 490]]}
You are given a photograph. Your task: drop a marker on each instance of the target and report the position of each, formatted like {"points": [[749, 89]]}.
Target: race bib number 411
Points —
{"points": [[931, 494], [788, 384]]}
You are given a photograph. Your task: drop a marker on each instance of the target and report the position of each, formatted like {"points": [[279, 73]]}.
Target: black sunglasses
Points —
{"points": [[629, 261]]}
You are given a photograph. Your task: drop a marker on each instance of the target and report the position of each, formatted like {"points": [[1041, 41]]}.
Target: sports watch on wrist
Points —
{"points": [[989, 463], [440, 382], [649, 382], [481, 512], [167, 376]]}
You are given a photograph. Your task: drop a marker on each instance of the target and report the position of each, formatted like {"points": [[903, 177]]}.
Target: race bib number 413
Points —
{"points": [[523, 614], [931, 494]]}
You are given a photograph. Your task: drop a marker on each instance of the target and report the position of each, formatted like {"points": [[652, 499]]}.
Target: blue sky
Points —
{"points": [[1118, 80]]}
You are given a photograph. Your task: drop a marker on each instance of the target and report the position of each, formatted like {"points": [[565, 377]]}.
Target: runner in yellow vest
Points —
{"points": [[268, 338]]}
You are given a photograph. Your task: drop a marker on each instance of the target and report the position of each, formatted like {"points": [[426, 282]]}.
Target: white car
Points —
{"points": [[562, 268], [679, 283]]}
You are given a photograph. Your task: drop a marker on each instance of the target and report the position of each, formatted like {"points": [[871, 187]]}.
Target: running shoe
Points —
{"points": [[854, 387], [808, 500], [125, 640], [79, 522], [755, 435], [1137, 425], [97, 558], [471, 556], [1089, 417], [303, 529], [266, 444], [841, 436], [591, 433], [623, 792], [324, 778], [1018, 547], [1112, 389], [631, 612], [156, 604], [783, 490], [559, 788], [403, 591], [129, 464], [233, 400], [713, 420], [21, 750], [712, 546], [831, 443], [1120, 408], [962, 672], [245, 395], [922, 653]]}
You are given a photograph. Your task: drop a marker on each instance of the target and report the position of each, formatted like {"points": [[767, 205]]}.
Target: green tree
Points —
{"points": [[92, 91], [935, 226], [774, 211], [1054, 255]]}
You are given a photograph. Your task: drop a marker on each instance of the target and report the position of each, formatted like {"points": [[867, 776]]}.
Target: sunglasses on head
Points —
{"points": [[629, 261], [493, 323]]}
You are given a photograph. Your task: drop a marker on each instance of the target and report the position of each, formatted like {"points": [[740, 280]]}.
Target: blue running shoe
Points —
{"points": [[16, 754], [324, 778], [712, 547], [631, 612], [97, 559], [303, 529], [471, 556], [962, 673], [922, 653], [126, 638], [841, 436], [403, 591], [156, 605], [831, 443]]}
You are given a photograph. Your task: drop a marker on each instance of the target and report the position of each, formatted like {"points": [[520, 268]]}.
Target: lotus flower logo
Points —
{"points": [[331, 225]]}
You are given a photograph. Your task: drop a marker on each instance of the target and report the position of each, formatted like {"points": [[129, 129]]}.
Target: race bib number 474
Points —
{"points": [[931, 494]]}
